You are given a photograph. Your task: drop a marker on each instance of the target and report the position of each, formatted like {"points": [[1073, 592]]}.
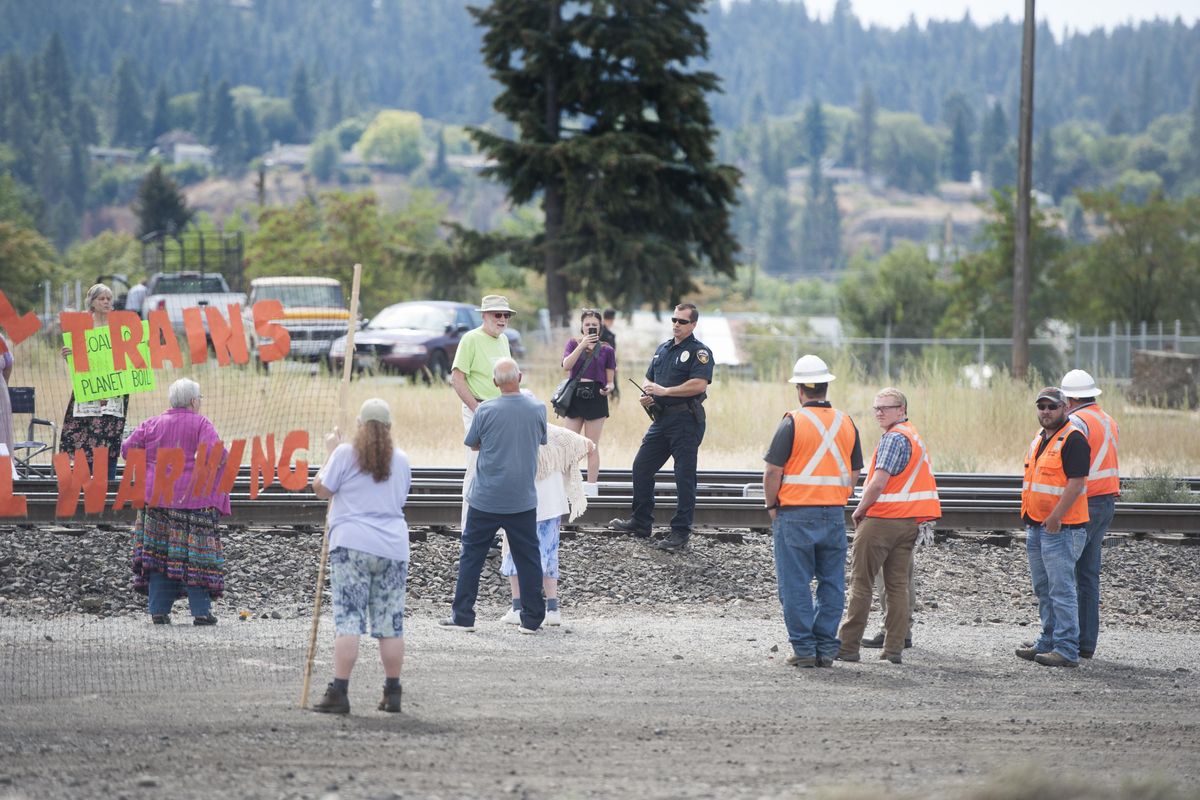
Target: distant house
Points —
{"points": [[112, 155], [181, 147], [192, 154], [296, 156]]}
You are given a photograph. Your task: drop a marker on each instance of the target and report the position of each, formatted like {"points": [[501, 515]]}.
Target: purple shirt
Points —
{"points": [[604, 360], [185, 429]]}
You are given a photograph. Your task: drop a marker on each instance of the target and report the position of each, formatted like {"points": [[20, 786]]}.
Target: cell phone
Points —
{"points": [[592, 330]]}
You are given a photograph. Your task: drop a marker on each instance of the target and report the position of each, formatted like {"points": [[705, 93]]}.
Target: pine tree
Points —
{"points": [[770, 161], [960, 148], [86, 126], [816, 133], [774, 248], [251, 133], [160, 123], [1044, 164], [160, 206], [300, 96], [203, 124], [55, 82], [129, 124], [225, 129], [335, 111], [992, 140], [867, 112], [614, 133]]}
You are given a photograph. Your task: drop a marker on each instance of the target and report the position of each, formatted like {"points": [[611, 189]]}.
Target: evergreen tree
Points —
{"points": [[77, 176], [1044, 165], [335, 111], [774, 247], [86, 126], [992, 140], [634, 201], [960, 147], [300, 96], [225, 129], [160, 122], [1192, 164], [867, 112], [54, 75], [129, 124], [816, 133], [1147, 97], [1116, 124], [252, 134], [160, 206], [204, 101], [770, 161]]}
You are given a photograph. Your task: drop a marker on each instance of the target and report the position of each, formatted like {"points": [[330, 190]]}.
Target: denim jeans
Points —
{"points": [[1052, 559], [810, 541], [1087, 570], [164, 592], [521, 529]]}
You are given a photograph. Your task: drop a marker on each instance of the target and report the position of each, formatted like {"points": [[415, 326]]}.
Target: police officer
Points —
{"points": [[675, 388]]}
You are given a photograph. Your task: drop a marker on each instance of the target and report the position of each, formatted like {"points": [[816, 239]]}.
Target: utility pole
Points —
{"points": [[1020, 359]]}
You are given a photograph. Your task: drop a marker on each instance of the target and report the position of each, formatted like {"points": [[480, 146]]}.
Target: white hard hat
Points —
{"points": [[810, 369], [1078, 383]]}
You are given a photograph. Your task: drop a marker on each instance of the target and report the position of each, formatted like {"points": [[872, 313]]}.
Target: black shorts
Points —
{"points": [[588, 407]]}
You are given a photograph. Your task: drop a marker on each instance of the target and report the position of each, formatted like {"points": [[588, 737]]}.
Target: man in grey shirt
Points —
{"points": [[506, 431]]}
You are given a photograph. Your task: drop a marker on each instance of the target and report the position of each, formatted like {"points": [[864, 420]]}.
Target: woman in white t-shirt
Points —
{"points": [[368, 482]]}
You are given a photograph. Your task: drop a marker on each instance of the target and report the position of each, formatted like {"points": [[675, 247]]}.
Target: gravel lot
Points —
{"points": [[667, 681]]}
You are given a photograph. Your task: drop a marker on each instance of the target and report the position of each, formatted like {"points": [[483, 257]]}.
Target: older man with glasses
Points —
{"points": [[1055, 511], [674, 392], [899, 496]]}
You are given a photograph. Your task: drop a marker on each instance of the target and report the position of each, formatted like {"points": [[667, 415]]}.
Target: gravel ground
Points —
{"points": [[667, 681]]}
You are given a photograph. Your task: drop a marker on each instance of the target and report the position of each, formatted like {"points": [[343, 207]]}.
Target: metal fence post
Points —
{"points": [[1112, 348], [887, 352]]}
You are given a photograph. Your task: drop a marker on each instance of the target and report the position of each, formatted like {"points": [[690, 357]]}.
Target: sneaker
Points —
{"points": [[801, 661], [1028, 653], [675, 543], [449, 624], [527, 631], [874, 642], [335, 701], [591, 489], [160, 619], [892, 657], [630, 527], [846, 655], [391, 700], [1054, 660], [511, 617], [553, 618], [207, 619]]}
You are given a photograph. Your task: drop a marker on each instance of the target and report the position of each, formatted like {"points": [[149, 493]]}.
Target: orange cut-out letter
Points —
{"points": [[193, 326], [208, 466], [232, 465], [133, 481], [11, 505], [80, 477], [168, 467], [262, 463], [228, 338], [265, 312], [76, 323], [19, 328], [164, 345], [294, 480], [125, 349]]}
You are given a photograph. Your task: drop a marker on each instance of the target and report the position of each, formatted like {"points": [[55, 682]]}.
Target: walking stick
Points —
{"points": [[343, 392]]}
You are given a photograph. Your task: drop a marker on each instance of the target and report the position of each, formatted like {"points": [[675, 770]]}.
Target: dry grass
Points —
{"points": [[968, 430]]}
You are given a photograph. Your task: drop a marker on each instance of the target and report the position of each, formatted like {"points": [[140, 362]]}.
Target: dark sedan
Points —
{"points": [[414, 338]]}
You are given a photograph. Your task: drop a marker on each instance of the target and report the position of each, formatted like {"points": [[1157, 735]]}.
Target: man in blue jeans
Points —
{"points": [[506, 431], [1054, 509], [1103, 488], [811, 468]]}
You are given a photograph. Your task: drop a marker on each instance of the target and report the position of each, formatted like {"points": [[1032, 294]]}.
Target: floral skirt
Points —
{"points": [[181, 543]]}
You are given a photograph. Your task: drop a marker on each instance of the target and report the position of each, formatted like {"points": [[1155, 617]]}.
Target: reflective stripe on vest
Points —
{"points": [[817, 473], [1102, 434], [1045, 481], [913, 492]]}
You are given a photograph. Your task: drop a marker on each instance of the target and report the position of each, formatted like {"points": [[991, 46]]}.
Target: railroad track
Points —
{"points": [[725, 499]]}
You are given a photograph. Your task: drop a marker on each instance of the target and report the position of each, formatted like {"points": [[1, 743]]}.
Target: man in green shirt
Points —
{"points": [[471, 374]]}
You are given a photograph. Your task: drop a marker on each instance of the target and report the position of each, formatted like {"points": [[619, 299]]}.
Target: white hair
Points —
{"points": [[183, 392], [506, 371], [94, 292]]}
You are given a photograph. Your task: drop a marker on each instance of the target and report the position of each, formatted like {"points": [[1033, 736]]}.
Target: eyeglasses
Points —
{"points": [[881, 409], [1048, 406], [679, 321], [501, 314]]}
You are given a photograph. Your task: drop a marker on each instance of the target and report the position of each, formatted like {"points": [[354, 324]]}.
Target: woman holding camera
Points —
{"points": [[596, 364]]}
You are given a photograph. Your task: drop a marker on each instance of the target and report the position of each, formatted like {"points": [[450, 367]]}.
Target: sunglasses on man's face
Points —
{"points": [[679, 321], [1048, 406], [501, 314]]}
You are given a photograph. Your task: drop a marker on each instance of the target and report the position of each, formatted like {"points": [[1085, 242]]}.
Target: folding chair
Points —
{"points": [[24, 453]]}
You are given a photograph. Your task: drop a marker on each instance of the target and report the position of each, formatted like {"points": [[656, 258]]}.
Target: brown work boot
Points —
{"points": [[391, 700], [335, 701]]}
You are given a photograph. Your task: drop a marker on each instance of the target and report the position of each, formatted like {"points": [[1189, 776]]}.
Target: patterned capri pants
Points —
{"points": [[548, 535], [366, 587]]}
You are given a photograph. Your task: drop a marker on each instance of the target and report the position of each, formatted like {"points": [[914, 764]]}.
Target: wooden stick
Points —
{"points": [[343, 394]]}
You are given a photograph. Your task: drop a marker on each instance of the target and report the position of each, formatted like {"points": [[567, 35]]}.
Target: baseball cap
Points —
{"points": [[1053, 394]]}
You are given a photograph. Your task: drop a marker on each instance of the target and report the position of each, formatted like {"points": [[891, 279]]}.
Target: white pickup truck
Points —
{"points": [[174, 291]]}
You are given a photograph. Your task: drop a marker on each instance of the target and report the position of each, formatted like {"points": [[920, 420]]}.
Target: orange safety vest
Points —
{"points": [[1045, 481], [1102, 434], [817, 473], [913, 492]]}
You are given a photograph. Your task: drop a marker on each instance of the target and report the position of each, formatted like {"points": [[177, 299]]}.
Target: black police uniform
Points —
{"points": [[677, 432]]}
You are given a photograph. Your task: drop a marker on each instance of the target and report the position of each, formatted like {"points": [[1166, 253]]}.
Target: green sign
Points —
{"points": [[102, 381]]}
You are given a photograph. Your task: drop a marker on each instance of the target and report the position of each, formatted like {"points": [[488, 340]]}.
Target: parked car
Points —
{"points": [[414, 338], [314, 314], [174, 291]]}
